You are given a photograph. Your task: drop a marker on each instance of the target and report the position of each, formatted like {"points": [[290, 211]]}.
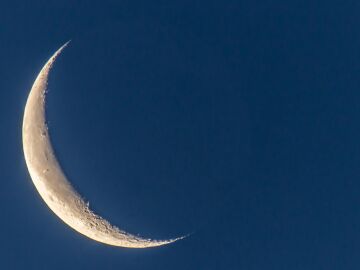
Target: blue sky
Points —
{"points": [[235, 120]]}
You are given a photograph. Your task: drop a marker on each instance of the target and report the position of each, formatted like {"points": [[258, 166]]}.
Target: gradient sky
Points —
{"points": [[237, 121]]}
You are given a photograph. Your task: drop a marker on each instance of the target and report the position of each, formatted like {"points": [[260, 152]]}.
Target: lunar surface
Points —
{"points": [[51, 182]]}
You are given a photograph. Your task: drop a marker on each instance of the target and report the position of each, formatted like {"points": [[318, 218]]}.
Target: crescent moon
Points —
{"points": [[51, 182]]}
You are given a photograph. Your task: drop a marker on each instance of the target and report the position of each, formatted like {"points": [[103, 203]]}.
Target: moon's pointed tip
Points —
{"points": [[151, 243], [170, 241], [66, 43], [56, 54], [63, 46], [182, 237]]}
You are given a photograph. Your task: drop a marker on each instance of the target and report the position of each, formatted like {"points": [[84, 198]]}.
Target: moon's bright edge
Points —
{"points": [[51, 182]]}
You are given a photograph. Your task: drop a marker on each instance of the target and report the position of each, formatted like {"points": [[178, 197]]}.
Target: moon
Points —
{"points": [[51, 182]]}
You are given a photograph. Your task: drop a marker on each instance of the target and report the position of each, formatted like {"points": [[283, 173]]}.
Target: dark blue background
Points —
{"points": [[235, 120]]}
